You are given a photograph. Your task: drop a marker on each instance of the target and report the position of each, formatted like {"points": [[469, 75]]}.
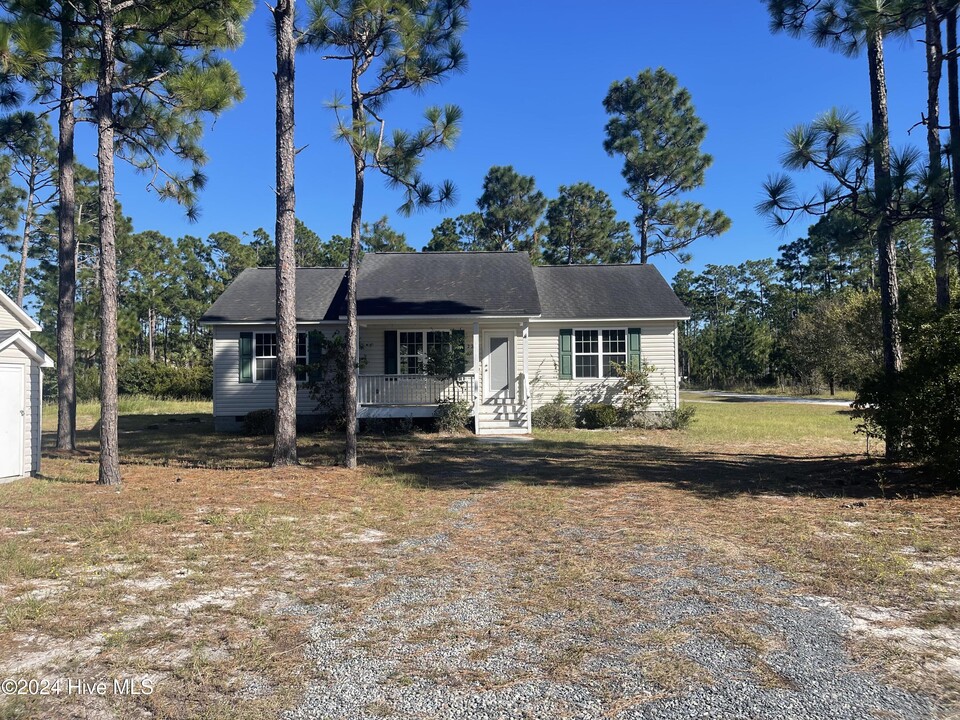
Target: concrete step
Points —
{"points": [[503, 416], [482, 430], [501, 422], [502, 412]]}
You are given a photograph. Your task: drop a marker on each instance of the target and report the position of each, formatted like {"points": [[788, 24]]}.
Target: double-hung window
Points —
{"points": [[412, 356], [415, 346], [595, 352], [265, 357]]}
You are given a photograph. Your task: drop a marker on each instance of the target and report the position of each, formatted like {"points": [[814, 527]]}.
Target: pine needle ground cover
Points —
{"points": [[571, 562]]}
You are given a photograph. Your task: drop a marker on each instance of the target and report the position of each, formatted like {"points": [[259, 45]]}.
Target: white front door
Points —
{"points": [[11, 420], [499, 361]]}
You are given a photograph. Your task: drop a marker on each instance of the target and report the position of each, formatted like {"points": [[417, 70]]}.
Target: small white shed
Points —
{"points": [[22, 362]]}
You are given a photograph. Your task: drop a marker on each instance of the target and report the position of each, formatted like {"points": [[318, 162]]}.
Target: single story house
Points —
{"points": [[527, 332], [22, 363]]}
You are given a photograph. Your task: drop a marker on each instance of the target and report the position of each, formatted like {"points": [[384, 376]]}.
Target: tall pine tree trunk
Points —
{"points": [[285, 435], [151, 333], [353, 360], [938, 188], [953, 101], [886, 242], [109, 442], [67, 249], [27, 229]]}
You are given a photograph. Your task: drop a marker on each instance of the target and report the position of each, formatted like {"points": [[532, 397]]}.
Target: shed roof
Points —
{"points": [[22, 341], [18, 313]]}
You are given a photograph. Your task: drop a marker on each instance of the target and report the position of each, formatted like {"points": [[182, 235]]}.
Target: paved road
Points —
{"points": [[711, 395]]}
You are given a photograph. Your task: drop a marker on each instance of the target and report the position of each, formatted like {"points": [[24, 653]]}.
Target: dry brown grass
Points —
{"points": [[188, 574]]}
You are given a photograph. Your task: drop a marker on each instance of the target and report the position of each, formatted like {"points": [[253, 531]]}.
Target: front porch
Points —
{"points": [[494, 382]]}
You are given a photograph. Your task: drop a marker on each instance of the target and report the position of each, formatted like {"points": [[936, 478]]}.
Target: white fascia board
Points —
{"points": [[435, 318], [19, 313], [211, 323], [29, 348], [597, 320]]}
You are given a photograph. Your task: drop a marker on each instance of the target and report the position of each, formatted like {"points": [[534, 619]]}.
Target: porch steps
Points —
{"points": [[502, 419]]}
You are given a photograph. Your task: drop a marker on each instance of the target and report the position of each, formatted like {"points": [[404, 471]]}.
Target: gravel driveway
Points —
{"points": [[683, 637]]}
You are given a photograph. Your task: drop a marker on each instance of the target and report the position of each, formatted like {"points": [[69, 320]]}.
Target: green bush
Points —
{"points": [[86, 383], [557, 415], [140, 377], [259, 422], [922, 408], [452, 416], [681, 418], [599, 415]]}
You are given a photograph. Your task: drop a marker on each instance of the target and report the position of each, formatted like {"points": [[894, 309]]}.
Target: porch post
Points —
{"points": [[528, 405], [477, 377]]}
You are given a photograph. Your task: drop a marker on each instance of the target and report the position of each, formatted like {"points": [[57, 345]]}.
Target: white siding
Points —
{"points": [[32, 392], [372, 343], [231, 398], [657, 347], [9, 322]]}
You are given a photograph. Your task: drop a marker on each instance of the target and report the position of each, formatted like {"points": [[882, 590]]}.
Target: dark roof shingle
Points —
{"points": [[605, 291], [446, 283], [251, 297], [456, 283]]}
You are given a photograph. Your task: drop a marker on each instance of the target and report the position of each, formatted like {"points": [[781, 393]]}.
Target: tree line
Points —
{"points": [[147, 76]]}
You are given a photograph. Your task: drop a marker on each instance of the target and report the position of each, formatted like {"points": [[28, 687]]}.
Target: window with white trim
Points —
{"points": [[596, 351], [415, 346], [265, 357]]}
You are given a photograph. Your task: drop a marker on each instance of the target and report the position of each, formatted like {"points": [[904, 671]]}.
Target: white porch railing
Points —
{"points": [[413, 389]]}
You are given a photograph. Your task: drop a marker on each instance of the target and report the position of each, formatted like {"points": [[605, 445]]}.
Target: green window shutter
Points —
{"points": [[633, 348], [315, 355], [390, 352], [566, 354], [460, 346], [246, 357]]}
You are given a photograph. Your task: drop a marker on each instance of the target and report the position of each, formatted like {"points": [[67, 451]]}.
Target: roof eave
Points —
{"points": [[19, 313], [29, 347], [635, 318]]}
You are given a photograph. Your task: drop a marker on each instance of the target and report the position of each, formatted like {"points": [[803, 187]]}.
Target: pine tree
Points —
{"points": [[390, 46], [28, 141], [654, 127], [380, 237], [285, 431], [510, 209], [165, 53], [582, 227], [444, 237], [850, 27]]}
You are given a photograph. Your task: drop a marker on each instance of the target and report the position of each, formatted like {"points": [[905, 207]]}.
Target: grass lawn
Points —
{"points": [[205, 572]]}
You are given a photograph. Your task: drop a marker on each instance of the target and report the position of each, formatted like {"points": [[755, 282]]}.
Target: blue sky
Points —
{"points": [[531, 95]]}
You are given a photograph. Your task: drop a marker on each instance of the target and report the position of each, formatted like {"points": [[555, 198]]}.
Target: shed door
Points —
{"points": [[11, 420]]}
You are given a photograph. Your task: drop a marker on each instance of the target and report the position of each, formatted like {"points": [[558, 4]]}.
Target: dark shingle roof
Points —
{"points": [[605, 291], [4, 334], [446, 283], [251, 297], [456, 283]]}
